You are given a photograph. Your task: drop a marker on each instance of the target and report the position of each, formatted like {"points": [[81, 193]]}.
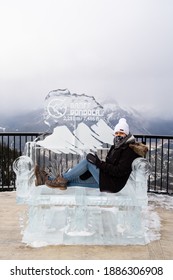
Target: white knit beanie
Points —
{"points": [[122, 126]]}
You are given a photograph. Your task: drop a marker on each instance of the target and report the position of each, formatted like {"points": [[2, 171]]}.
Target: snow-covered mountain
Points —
{"points": [[34, 121], [137, 123], [2, 129]]}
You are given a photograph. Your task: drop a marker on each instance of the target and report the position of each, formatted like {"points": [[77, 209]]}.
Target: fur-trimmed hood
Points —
{"points": [[139, 148]]}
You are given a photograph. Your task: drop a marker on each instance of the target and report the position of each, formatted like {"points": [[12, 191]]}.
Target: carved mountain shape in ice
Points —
{"points": [[87, 137], [61, 140], [61, 106], [103, 131], [81, 127], [83, 138]]}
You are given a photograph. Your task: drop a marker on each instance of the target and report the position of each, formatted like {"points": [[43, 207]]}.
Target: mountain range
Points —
{"points": [[33, 121]]}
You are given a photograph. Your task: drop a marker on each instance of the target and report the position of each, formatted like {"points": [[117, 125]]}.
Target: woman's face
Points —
{"points": [[119, 136], [120, 133]]}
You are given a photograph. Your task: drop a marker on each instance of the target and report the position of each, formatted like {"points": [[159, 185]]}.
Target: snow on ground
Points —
{"points": [[159, 200], [151, 217]]}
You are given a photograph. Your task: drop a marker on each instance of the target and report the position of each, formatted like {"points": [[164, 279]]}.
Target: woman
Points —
{"points": [[110, 175]]}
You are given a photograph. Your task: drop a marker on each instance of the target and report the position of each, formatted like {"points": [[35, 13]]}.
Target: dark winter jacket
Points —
{"points": [[115, 170]]}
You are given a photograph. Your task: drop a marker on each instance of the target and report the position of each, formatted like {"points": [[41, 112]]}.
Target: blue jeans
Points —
{"points": [[73, 175]]}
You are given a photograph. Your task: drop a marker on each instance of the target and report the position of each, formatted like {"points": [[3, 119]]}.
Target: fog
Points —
{"points": [[119, 49]]}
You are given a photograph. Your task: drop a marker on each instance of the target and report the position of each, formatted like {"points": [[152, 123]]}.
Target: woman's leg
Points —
{"points": [[77, 182], [73, 175]]}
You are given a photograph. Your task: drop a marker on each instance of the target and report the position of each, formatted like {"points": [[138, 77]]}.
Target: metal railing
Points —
{"points": [[11, 147], [160, 155]]}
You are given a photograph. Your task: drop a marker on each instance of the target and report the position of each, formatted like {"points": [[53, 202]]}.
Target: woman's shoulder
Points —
{"points": [[139, 148]]}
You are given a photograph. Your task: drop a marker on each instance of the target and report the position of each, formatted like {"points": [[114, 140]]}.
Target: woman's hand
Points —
{"points": [[94, 159]]}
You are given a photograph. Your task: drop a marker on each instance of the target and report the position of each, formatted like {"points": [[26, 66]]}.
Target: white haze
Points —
{"points": [[105, 48]]}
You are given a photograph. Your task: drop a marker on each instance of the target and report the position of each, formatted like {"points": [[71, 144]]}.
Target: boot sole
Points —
{"points": [[57, 187]]}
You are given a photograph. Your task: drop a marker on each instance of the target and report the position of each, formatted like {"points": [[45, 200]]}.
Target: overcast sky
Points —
{"points": [[105, 48]]}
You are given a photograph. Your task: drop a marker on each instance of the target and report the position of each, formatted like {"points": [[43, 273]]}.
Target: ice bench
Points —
{"points": [[81, 215]]}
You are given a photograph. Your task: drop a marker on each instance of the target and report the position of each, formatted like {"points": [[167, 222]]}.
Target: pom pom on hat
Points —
{"points": [[122, 126]]}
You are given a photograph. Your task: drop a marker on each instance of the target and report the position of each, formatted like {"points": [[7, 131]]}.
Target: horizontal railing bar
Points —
{"points": [[152, 136]]}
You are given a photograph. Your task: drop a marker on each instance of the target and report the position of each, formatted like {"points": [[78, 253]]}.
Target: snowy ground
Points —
{"points": [[158, 200], [152, 219]]}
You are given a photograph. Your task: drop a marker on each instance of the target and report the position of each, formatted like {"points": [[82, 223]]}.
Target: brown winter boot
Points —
{"points": [[41, 176], [59, 183]]}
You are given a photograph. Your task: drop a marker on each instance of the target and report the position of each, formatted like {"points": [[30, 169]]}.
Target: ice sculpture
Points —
{"points": [[74, 108], [78, 215], [24, 169]]}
